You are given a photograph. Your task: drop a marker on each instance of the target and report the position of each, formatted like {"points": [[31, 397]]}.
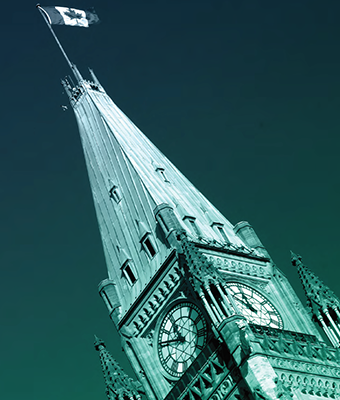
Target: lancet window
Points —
{"points": [[107, 300], [164, 225]]}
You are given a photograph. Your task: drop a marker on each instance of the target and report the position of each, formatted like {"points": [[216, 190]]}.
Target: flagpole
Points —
{"points": [[72, 66]]}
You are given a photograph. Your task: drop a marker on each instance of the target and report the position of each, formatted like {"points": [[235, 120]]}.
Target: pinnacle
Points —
{"points": [[200, 269], [319, 296], [117, 381]]}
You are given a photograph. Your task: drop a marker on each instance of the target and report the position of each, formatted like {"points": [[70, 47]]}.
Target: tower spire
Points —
{"points": [[118, 385], [321, 300]]}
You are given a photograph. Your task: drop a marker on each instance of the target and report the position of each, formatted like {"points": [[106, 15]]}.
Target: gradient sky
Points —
{"points": [[242, 96]]}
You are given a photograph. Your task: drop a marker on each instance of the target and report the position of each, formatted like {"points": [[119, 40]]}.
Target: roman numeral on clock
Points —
{"points": [[174, 366], [201, 332], [167, 358]]}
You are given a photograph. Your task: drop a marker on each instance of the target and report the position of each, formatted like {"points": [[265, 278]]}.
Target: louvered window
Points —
{"points": [[128, 273], [219, 228], [149, 246], [191, 223]]}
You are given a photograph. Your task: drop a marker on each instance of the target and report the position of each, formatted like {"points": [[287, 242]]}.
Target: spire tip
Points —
{"points": [[98, 342], [295, 258]]}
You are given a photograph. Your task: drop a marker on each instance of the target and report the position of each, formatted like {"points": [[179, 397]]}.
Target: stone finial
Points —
{"points": [[295, 258]]}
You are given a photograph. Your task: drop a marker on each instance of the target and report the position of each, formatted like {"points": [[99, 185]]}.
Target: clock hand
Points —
{"points": [[247, 304], [178, 339], [175, 328], [242, 302], [252, 309], [177, 332]]}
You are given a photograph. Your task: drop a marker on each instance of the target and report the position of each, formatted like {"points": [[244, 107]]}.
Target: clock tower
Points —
{"points": [[202, 310]]}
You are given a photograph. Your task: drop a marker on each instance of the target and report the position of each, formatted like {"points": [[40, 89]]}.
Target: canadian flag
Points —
{"points": [[69, 16]]}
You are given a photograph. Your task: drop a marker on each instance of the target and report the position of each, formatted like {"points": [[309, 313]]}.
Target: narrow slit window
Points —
{"points": [[148, 247], [114, 194], [107, 299], [129, 275], [163, 222]]}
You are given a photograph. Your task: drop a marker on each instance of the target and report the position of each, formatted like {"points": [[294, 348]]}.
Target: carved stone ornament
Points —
{"points": [[245, 343], [224, 389], [241, 323], [149, 337], [307, 385], [281, 391], [259, 394], [198, 269]]}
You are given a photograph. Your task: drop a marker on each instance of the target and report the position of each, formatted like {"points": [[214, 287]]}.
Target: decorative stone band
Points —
{"points": [[225, 264], [307, 381], [298, 349], [315, 368], [159, 295], [260, 330]]}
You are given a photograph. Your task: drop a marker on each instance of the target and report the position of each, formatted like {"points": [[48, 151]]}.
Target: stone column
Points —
{"points": [[231, 300], [328, 332], [221, 316], [209, 309], [330, 319], [224, 303]]}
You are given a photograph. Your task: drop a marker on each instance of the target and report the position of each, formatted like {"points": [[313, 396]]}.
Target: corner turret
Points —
{"points": [[118, 385], [322, 302]]}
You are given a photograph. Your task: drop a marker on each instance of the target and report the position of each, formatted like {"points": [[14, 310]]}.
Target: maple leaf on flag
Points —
{"points": [[73, 14]]}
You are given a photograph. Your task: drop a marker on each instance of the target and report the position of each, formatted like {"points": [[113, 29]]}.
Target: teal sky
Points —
{"points": [[242, 96]]}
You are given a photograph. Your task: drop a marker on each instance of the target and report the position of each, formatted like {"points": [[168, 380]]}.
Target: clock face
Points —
{"points": [[182, 336], [255, 307]]}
